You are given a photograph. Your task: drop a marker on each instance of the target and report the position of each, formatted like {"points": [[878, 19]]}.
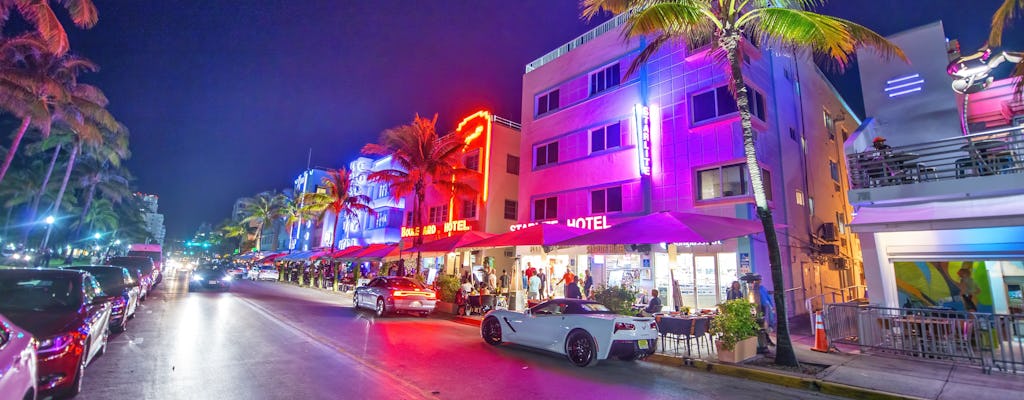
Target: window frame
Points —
{"points": [[465, 206], [474, 156], [747, 186], [603, 79], [547, 203], [545, 99], [514, 208], [603, 132], [512, 164], [605, 195], [548, 158], [758, 104]]}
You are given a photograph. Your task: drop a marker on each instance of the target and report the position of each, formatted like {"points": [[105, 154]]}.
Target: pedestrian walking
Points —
{"points": [[588, 283]]}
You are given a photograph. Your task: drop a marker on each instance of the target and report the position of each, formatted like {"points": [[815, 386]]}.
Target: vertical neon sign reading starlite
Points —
{"points": [[642, 115]]}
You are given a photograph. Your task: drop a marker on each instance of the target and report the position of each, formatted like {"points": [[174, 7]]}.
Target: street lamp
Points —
{"points": [[96, 236], [49, 228]]}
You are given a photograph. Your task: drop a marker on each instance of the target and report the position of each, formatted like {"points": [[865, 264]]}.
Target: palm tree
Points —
{"points": [[112, 183], [231, 229], [293, 212], [336, 200], [1003, 16], [56, 141], [39, 13], [100, 216], [424, 160], [786, 24], [261, 209], [28, 87]]}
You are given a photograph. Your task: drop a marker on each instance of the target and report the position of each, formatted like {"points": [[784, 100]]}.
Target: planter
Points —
{"points": [[744, 350], [445, 307]]}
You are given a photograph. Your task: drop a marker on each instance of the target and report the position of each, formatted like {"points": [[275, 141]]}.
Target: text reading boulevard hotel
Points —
{"points": [[597, 143]]}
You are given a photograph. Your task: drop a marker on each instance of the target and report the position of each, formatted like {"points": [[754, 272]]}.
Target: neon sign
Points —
{"points": [[460, 225], [642, 116], [592, 223]]}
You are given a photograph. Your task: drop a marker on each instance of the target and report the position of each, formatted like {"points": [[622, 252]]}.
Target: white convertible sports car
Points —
{"points": [[584, 331]]}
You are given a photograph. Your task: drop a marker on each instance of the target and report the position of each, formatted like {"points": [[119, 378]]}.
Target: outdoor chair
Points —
{"points": [[677, 329], [700, 333]]}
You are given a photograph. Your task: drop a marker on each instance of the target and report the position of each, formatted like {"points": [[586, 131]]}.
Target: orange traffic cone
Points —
{"points": [[820, 341]]}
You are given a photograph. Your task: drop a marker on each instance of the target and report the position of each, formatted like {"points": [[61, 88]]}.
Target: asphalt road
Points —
{"points": [[265, 340]]}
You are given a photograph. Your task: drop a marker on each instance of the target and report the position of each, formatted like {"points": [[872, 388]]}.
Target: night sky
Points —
{"points": [[226, 99]]}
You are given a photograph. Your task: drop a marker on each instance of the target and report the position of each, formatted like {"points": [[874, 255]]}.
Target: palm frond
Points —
{"points": [[1002, 18], [593, 8], [835, 38], [40, 14], [83, 12]]}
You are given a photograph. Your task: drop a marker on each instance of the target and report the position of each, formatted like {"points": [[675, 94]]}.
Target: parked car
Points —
{"points": [[153, 252], [210, 277], [237, 271], [143, 264], [17, 361], [582, 330], [263, 273], [393, 294], [68, 313], [118, 283]]}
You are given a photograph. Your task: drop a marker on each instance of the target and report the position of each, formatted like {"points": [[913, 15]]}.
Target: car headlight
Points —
{"points": [[197, 277], [55, 343], [226, 278]]}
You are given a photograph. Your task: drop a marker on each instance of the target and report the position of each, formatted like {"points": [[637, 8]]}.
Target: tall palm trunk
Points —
{"points": [[418, 222], [34, 210], [85, 208], [334, 242], [14, 146], [259, 236], [784, 354], [63, 187]]}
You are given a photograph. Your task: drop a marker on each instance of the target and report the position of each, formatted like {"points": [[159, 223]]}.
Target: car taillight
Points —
{"points": [[401, 293], [654, 325], [119, 302], [624, 326], [56, 343]]}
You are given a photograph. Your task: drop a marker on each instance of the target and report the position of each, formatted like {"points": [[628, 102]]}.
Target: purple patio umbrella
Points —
{"points": [[537, 235], [669, 227]]}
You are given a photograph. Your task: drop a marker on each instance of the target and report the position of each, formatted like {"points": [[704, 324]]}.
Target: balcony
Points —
{"points": [[605, 27], [984, 164]]}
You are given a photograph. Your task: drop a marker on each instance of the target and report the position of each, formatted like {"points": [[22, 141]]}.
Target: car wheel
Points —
{"points": [[380, 310], [76, 385], [581, 349], [491, 331], [424, 314], [29, 395], [120, 327]]}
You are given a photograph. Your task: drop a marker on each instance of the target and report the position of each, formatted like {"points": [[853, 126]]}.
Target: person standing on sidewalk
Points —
{"points": [[534, 288], [968, 289], [588, 283]]}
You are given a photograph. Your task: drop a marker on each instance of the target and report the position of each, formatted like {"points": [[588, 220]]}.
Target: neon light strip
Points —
{"points": [[900, 79], [903, 85], [917, 89]]}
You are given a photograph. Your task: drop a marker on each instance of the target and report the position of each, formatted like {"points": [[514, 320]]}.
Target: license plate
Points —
{"points": [[643, 344], [213, 282], [416, 304]]}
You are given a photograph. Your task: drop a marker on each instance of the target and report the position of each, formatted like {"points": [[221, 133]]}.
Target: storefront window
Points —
{"points": [[706, 281], [726, 273]]}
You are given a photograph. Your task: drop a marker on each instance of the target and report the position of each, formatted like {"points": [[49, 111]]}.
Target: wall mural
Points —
{"points": [[958, 285]]}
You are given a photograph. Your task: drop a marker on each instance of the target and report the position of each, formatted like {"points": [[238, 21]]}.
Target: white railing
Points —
{"points": [[580, 40], [507, 122]]}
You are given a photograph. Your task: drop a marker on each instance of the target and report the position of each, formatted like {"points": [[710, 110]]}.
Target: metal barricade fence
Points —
{"points": [[987, 340]]}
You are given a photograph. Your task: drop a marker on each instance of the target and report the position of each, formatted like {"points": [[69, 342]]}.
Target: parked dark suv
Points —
{"points": [[145, 267], [68, 314]]}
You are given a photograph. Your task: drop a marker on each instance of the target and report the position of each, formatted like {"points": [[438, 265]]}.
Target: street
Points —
{"points": [[265, 340]]}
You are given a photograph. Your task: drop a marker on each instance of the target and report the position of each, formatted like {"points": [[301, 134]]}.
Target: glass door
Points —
{"points": [[707, 281]]}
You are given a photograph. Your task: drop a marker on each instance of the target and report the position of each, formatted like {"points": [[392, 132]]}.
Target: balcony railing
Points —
{"points": [[580, 40], [995, 152]]}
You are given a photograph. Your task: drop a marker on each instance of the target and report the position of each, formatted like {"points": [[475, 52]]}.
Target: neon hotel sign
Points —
{"points": [[447, 227], [593, 223]]}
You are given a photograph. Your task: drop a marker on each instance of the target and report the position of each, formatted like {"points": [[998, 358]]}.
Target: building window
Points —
{"points": [[512, 164], [546, 154], [604, 79], [841, 222], [729, 181], [468, 209], [511, 209], [606, 200], [437, 214], [799, 198], [473, 162], [382, 220], [547, 102], [719, 102], [408, 219], [545, 208], [833, 167], [830, 125], [605, 137], [383, 191]]}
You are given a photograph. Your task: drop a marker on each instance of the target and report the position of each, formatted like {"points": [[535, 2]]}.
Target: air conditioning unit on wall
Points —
{"points": [[830, 249], [828, 231]]}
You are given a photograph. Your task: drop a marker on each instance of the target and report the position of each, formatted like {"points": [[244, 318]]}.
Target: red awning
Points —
{"points": [[537, 235], [669, 227], [451, 243], [271, 258], [377, 251], [347, 252]]}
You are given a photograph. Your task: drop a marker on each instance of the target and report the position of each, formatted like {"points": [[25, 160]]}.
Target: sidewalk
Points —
{"points": [[852, 374]]}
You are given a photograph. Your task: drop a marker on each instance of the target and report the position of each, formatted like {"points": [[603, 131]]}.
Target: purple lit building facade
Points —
{"points": [[600, 147]]}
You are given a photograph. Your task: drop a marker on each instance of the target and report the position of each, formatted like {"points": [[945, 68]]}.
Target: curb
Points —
{"points": [[790, 381]]}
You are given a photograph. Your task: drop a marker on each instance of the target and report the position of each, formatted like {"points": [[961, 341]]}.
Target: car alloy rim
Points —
{"points": [[380, 307], [580, 349], [493, 330]]}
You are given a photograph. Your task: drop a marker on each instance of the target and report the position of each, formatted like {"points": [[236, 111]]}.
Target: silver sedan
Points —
{"points": [[393, 294]]}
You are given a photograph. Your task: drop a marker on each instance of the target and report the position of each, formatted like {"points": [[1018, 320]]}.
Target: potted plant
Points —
{"points": [[736, 329], [447, 285], [616, 298]]}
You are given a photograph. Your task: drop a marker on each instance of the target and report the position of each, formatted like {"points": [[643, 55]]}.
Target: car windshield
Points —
{"points": [[404, 283], [593, 308], [208, 272], [39, 293], [145, 264]]}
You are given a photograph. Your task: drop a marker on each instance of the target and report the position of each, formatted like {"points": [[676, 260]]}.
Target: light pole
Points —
{"points": [[49, 227]]}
